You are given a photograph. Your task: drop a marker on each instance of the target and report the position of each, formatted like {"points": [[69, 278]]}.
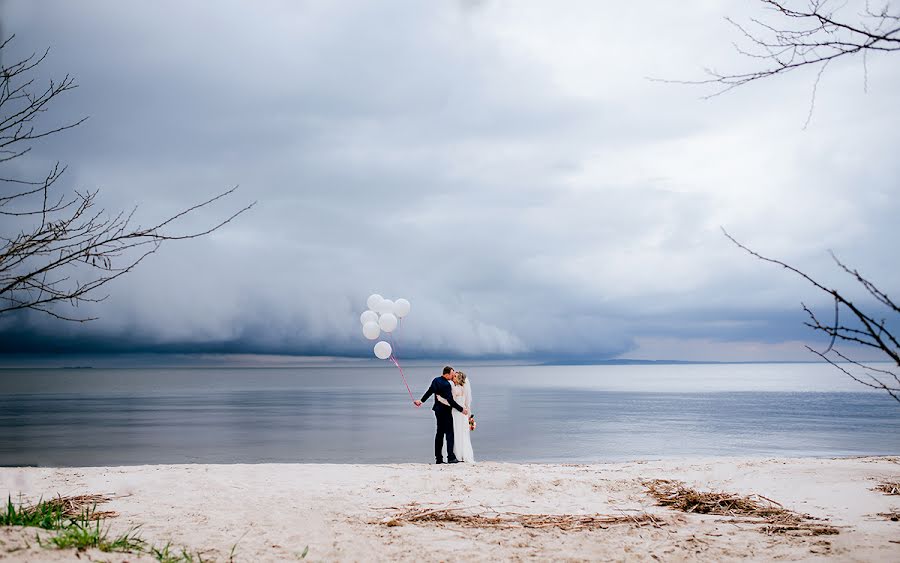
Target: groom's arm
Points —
{"points": [[427, 393], [447, 393]]}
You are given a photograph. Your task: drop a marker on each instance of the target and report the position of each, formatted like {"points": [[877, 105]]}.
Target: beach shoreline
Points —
{"points": [[355, 512]]}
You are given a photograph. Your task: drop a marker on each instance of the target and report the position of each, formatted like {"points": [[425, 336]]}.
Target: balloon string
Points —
{"points": [[391, 338], [396, 363]]}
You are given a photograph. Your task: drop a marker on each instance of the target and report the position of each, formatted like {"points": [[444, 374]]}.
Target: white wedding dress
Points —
{"points": [[462, 439]]}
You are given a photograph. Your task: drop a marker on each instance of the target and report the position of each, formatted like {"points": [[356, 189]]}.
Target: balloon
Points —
{"points": [[371, 330], [368, 317], [401, 308], [373, 301], [385, 306], [383, 350], [387, 322]]}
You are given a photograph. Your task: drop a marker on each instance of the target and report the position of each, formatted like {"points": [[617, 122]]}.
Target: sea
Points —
{"points": [[363, 413]]}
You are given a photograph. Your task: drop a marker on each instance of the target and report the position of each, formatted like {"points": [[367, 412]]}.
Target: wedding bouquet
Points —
{"points": [[472, 423]]}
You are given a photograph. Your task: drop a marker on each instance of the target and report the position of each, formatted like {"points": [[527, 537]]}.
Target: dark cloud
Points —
{"points": [[509, 170]]}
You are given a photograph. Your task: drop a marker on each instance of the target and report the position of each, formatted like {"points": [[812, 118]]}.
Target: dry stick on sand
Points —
{"points": [[889, 487], [489, 518], [756, 509]]}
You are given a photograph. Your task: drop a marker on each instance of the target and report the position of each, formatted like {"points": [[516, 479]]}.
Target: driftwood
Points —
{"points": [[483, 517], [889, 487], [754, 509]]}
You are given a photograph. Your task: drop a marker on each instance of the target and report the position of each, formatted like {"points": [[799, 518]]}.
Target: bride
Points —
{"points": [[462, 394]]}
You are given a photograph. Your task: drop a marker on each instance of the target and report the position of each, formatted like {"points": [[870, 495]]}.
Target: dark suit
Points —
{"points": [[440, 387]]}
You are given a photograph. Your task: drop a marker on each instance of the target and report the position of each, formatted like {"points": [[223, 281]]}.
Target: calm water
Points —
{"points": [[362, 414]]}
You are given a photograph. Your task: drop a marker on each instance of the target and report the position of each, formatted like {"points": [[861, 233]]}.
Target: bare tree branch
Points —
{"points": [[877, 385], [805, 33], [76, 248], [870, 332]]}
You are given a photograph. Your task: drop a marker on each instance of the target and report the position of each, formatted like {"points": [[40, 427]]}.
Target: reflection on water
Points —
{"points": [[353, 415]]}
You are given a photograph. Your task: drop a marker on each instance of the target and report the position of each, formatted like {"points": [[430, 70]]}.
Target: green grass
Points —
{"points": [[165, 554], [87, 531], [46, 515], [84, 533]]}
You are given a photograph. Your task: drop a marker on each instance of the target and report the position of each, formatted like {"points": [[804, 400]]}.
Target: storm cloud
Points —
{"points": [[507, 167]]}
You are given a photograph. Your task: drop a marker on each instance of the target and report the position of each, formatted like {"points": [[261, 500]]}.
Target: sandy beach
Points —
{"points": [[356, 512]]}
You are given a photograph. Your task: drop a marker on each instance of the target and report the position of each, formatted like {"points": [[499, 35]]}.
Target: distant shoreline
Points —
{"points": [[567, 463], [374, 364]]}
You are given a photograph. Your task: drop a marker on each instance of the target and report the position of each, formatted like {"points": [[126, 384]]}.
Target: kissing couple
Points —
{"points": [[452, 407]]}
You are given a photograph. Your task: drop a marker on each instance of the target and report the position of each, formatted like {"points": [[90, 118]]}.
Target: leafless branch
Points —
{"points": [[76, 247], [892, 391], [812, 34], [865, 330]]}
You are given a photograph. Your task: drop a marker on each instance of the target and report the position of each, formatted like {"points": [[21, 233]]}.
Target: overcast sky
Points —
{"points": [[505, 165]]}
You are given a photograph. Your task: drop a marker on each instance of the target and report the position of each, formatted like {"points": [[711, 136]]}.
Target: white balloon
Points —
{"points": [[371, 330], [385, 306], [383, 350], [401, 308], [387, 322], [368, 317], [373, 301]]}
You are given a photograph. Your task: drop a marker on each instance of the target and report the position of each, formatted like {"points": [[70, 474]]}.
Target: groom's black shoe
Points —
{"points": [[438, 461], [454, 460]]}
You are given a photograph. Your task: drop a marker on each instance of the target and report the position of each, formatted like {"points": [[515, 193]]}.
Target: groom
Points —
{"points": [[440, 387]]}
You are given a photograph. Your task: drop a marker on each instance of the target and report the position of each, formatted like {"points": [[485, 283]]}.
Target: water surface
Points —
{"points": [[362, 414]]}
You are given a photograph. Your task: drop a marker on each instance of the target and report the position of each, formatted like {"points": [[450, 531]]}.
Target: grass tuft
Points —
{"points": [[87, 532], [48, 516], [165, 554], [79, 525], [54, 514]]}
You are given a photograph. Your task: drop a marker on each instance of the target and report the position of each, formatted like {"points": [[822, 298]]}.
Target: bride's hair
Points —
{"points": [[461, 377]]}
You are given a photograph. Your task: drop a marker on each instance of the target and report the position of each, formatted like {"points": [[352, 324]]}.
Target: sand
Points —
{"points": [[272, 512]]}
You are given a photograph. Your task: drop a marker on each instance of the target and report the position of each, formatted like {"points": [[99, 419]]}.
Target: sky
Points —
{"points": [[508, 167]]}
